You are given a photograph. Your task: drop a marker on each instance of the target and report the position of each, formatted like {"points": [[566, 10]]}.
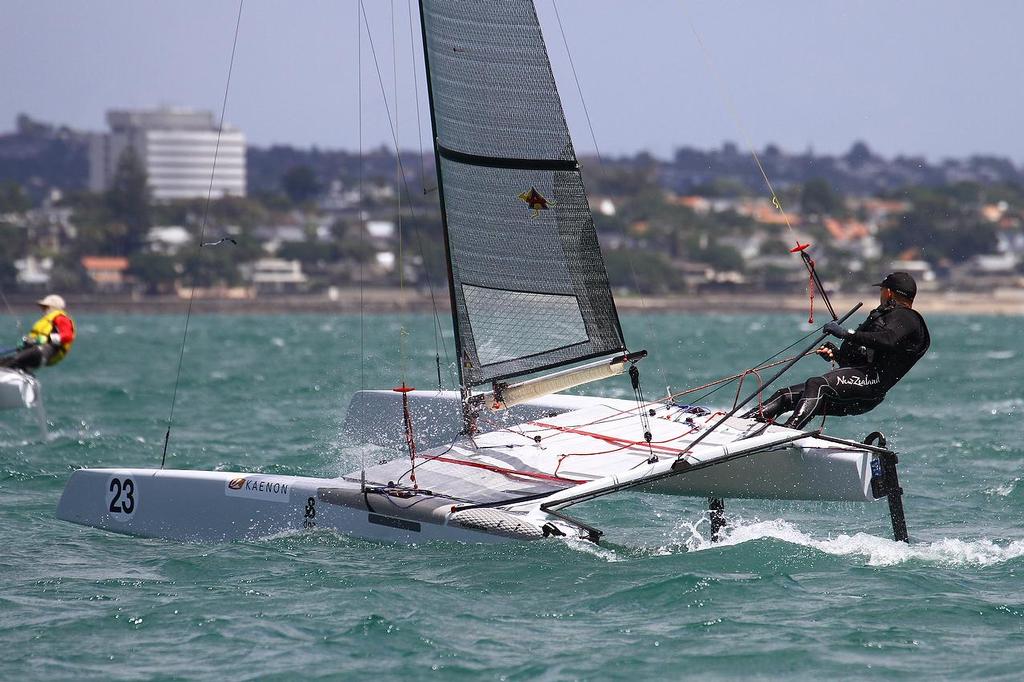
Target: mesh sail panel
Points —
{"points": [[529, 283], [551, 322]]}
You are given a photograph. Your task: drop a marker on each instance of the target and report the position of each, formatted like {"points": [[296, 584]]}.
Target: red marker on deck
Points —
{"points": [[410, 440]]}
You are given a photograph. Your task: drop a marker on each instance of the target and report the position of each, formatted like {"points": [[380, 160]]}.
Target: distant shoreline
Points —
{"points": [[377, 300]]}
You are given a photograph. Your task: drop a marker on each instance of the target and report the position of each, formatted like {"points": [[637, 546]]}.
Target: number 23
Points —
{"points": [[123, 501]]}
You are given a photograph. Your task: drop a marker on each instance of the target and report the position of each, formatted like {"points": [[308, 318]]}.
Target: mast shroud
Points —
{"points": [[440, 195]]}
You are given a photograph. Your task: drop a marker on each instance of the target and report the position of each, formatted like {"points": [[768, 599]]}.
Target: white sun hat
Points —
{"points": [[52, 301]]}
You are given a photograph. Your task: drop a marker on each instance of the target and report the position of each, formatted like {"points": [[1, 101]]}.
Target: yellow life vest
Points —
{"points": [[40, 334]]}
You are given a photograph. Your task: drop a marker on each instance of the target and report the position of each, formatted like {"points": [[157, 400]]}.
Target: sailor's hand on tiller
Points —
{"points": [[828, 351], [836, 330]]}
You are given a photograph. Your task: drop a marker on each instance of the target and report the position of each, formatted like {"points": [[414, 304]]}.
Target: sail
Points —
{"points": [[529, 286]]}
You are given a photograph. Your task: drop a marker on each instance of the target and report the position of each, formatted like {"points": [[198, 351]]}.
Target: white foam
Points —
{"points": [[348, 457], [690, 536], [1004, 490], [1009, 407], [877, 550], [587, 547]]}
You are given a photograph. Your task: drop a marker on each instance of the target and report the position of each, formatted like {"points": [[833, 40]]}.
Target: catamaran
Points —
{"points": [[503, 457]]}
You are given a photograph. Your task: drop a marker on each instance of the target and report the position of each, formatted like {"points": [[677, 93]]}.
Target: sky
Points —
{"points": [[932, 78]]}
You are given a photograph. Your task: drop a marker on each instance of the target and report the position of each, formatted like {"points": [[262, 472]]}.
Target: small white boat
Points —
{"points": [[18, 389]]}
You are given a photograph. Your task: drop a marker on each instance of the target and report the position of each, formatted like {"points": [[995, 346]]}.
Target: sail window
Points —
{"points": [[508, 325]]}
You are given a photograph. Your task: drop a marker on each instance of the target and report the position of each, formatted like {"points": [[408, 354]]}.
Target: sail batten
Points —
{"points": [[505, 162], [528, 282]]}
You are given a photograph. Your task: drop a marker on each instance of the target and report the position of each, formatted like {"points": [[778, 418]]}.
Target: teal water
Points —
{"points": [[797, 590]]}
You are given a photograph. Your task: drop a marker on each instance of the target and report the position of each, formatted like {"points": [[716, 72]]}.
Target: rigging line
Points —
{"points": [[416, 99], [17, 320], [733, 110], [439, 342], [505, 470], [819, 339], [642, 409], [734, 113], [739, 387], [360, 224], [220, 241], [403, 332], [202, 232], [399, 172], [613, 439], [647, 318], [359, 214], [580, 429], [429, 458], [387, 107], [761, 364], [579, 88], [816, 282], [404, 180], [734, 377], [600, 160], [438, 332]]}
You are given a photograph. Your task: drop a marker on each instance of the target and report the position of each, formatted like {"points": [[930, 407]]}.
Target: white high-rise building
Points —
{"points": [[176, 147]]}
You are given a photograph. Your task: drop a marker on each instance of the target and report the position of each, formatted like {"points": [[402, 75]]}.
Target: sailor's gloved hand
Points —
{"points": [[55, 338], [835, 330], [828, 351]]}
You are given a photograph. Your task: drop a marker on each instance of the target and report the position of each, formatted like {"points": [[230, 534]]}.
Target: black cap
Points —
{"points": [[900, 282]]}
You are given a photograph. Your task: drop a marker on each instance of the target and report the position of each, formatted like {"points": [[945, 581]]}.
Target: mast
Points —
{"points": [[440, 195]]}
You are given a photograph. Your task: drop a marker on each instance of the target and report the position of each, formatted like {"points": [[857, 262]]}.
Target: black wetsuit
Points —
{"points": [[28, 359], [876, 356]]}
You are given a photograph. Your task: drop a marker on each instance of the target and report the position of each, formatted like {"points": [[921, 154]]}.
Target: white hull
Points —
{"points": [[18, 389], [202, 506]]}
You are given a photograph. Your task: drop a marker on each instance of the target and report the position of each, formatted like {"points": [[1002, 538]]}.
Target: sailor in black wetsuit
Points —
{"points": [[871, 360]]}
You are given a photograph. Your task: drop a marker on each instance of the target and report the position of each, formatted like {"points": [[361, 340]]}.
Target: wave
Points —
{"points": [[609, 554], [878, 551], [1004, 490]]}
